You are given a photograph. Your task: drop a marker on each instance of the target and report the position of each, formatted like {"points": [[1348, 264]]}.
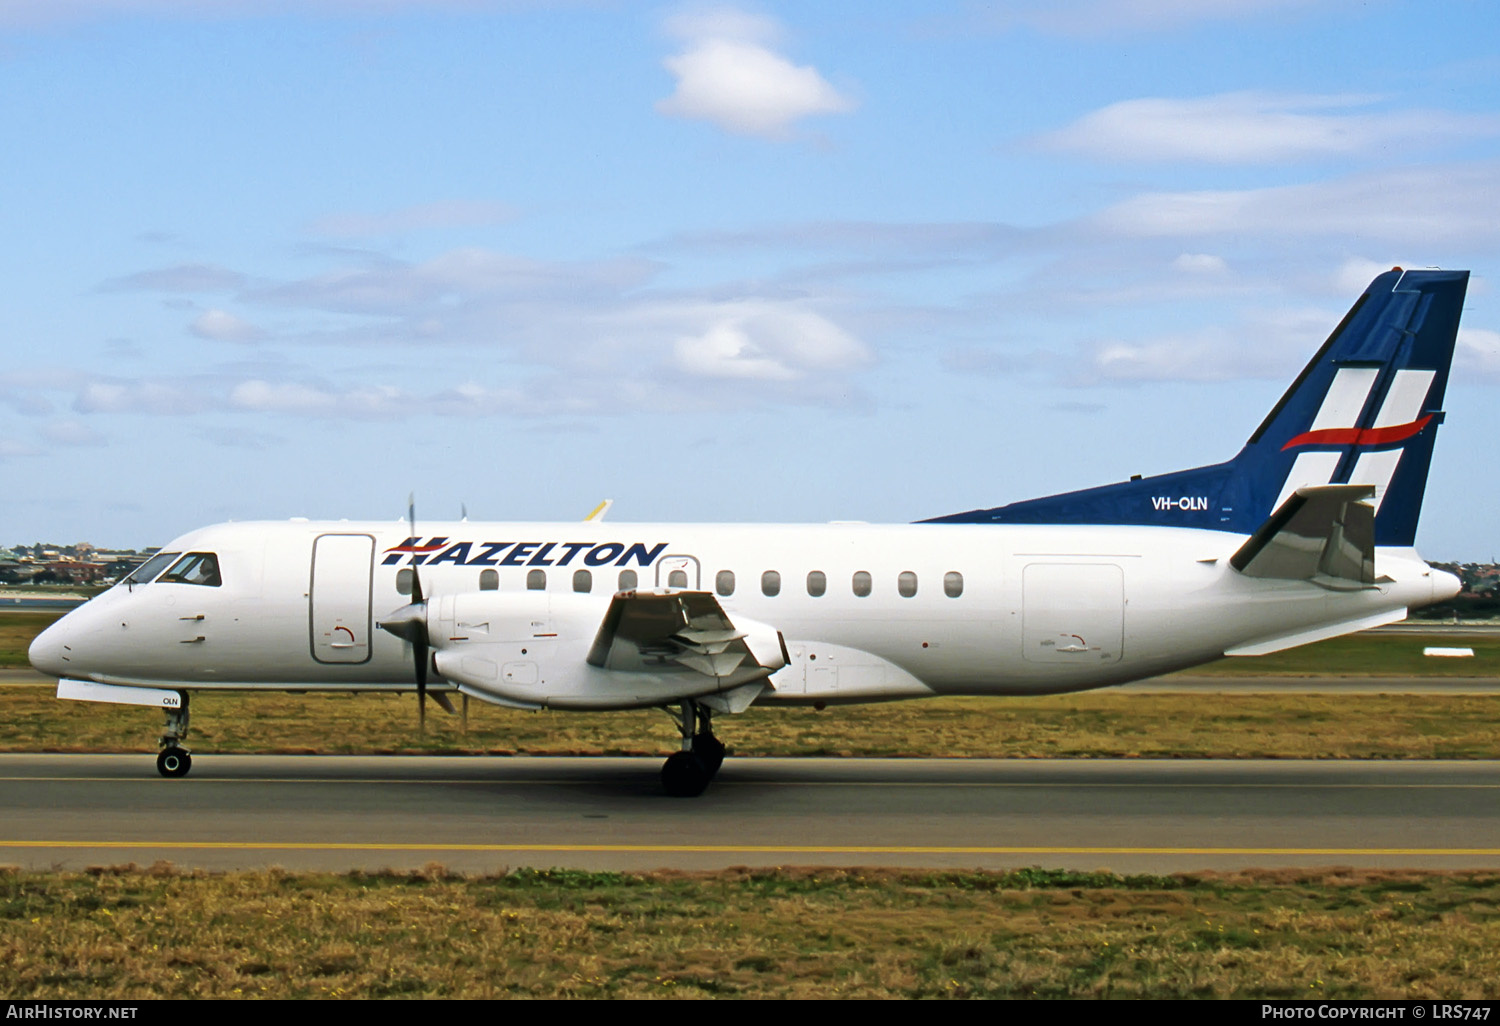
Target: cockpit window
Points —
{"points": [[147, 571], [194, 568]]}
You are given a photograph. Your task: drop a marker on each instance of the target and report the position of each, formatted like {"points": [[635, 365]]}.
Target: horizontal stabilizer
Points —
{"points": [[1306, 636], [1323, 533]]}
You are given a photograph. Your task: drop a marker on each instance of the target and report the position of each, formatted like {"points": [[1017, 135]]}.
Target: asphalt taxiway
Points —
{"points": [[480, 814]]}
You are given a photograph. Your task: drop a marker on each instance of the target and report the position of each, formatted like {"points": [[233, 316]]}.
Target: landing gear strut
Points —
{"points": [[175, 760], [687, 772]]}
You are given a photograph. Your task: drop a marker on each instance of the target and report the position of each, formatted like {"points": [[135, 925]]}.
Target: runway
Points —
{"points": [[490, 814]]}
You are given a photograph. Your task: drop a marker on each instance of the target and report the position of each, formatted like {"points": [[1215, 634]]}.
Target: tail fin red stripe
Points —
{"points": [[1354, 436]]}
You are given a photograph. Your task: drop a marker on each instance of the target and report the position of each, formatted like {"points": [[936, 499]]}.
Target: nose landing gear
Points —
{"points": [[175, 760]]}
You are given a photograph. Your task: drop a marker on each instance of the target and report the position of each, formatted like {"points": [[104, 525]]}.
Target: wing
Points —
{"points": [[652, 631]]}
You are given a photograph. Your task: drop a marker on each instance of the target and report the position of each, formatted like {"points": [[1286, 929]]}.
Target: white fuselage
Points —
{"points": [[865, 612]]}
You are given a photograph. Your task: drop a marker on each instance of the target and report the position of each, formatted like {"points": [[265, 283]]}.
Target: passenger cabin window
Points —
{"points": [[770, 583], [403, 581], [489, 580], [583, 581], [817, 583], [953, 584], [536, 580], [147, 571], [628, 580], [724, 582], [195, 568], [906, 583], [677, 579], [862, 583]]}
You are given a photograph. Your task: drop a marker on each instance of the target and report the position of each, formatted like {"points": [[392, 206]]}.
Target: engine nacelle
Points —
{"points": [[531, 649]]}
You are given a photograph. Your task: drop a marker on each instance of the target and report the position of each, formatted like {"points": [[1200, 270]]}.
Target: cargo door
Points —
{"points": [[1073, 613]]}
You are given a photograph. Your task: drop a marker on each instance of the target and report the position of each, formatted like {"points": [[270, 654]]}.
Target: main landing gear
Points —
{"points": [[175, 760], [686, 773]]}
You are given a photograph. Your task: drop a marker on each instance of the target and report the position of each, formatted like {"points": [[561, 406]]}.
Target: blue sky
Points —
{"points": [[760, 262]]}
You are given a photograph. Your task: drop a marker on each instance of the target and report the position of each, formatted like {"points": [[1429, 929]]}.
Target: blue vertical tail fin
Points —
{"points": [[1364, 411]]}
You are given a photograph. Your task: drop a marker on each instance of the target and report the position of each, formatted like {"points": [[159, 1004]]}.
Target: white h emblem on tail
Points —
{"points": [[1337, 423]]}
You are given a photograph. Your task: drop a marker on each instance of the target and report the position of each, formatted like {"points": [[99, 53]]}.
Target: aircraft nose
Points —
{"points": [[49, 651]]}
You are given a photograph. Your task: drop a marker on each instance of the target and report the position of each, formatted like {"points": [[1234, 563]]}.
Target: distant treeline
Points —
{"points": [[1463, 607]]}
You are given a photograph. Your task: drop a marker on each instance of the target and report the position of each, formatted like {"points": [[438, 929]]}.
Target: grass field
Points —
{"points": [[16, 631], [1087, 725], [159, 933]]}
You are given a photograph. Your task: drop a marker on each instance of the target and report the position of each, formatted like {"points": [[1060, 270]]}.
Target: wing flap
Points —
{"points": [[656, 630]]}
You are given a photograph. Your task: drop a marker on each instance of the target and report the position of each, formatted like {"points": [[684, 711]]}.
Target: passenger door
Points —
{"points": [[339, 597]]}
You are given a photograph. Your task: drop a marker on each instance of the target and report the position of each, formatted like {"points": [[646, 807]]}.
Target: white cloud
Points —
{"points": [[1356, 273], [180, 278], [1097, 17], [1200, 264], [727, 75], [765, 342], [30, 13], [1431, 208], [1478, 353], [1268, 343], [717, 22], [317, 400], [1193, 357], [489, 333], [953, 240], [421, 217], [726, 351], [31, 404], [222, 326], [1256, 128], [440, 289], [71, 432], [148, 395], [14, 448]]}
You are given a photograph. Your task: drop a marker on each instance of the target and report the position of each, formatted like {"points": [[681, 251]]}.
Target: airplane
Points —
{"points": [[1307, 534]]}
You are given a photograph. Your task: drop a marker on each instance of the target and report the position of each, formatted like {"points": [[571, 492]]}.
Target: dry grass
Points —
{"points": [[1089, 725], [786, 933], [17, 629]]}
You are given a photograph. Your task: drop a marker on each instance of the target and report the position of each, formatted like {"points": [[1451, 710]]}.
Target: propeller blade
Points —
{"points": [[411, 620], [411, 527], [419, 656]]}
